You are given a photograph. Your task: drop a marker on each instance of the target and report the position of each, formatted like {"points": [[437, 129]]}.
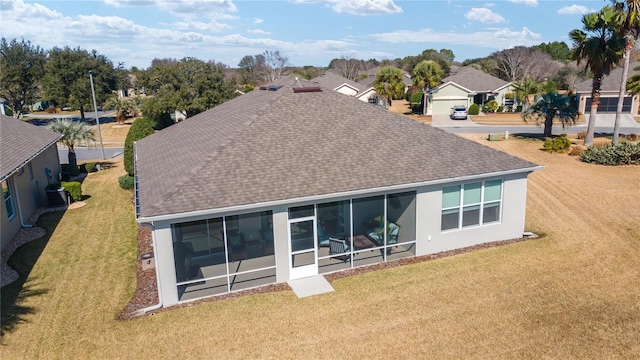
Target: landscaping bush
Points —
{"points": [[582, 134], [632, 137], [577, 150], [490, 106], [74, 188], [126, 181], [141, 128], [474, 109], [500, 108], [558, 144], [623, 153], [72, 170], [416, 102], [90, 167]]}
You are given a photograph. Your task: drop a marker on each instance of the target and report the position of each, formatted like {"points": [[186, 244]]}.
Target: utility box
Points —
{"points": [[494, 137]]}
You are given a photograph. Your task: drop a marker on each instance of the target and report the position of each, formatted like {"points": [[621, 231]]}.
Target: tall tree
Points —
{"points": [[389, 83], [122, 106], [347, 67], [602, 50], [21, 69], [66, 80], [189, 86], [73, 133], [426, 75], [629, 28], [246, 68], [274, 66], [550, 106]]}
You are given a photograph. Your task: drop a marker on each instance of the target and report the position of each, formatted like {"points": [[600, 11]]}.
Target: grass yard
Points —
{"points": [[573, 293]]}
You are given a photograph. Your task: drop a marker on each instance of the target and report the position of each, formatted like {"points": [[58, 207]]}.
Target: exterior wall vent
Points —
{"points": [[307, 89]]}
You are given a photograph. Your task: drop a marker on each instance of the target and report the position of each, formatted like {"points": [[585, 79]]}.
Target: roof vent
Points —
{"points": [[307, 89], [270, 87]]}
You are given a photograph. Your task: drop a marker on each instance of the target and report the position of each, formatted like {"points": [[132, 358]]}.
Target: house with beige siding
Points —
{"points": [[465, 87], [28, 163], [293, 180]]}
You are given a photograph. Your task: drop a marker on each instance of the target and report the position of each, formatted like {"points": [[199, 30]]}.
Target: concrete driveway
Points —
{"points": [[607, 120], [445, 121]]}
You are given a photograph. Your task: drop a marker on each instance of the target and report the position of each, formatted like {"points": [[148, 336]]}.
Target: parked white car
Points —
{"points": [[459, 113]]}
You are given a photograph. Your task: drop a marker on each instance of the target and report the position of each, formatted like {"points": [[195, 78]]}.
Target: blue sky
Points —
{"points": [[308, 32]]}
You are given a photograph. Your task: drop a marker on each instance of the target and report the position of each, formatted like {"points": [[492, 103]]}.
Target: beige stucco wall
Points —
{"points": [[29, 190], [443, 99]]}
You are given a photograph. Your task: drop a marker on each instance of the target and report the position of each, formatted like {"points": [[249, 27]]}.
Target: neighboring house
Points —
{"points": [[335, 82], [287, 182], [367, 83], [609, 92], [467, 86], [29, 163]]}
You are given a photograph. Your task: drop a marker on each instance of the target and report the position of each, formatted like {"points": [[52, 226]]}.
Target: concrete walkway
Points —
{"points": [[310, 286]]}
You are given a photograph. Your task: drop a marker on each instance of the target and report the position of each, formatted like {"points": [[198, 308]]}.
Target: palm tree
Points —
{"points": [[550, 106], [73, 133], [426, 74], [121, 106], [524, 89], [389, 83], [602, 51], [630, 28]]}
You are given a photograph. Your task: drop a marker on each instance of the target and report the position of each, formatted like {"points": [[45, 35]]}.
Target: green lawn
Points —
{"points": [[574, 293]]}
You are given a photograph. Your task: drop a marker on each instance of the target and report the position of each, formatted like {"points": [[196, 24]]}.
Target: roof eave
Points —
{"points": [[315, 198], [22, 164]]}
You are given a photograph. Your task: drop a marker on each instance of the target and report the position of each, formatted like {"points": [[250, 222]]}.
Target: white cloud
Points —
{"points": [[532, 3], [357, 7], [258, 31], [257, 21], [500, 38], [573, 9], [484, 15], [128, 3]]}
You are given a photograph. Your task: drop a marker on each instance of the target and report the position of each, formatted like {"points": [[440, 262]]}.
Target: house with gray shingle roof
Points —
{"points": [[29, 163], [609, 91], [465, 87], [290, 181], [335, 82]]}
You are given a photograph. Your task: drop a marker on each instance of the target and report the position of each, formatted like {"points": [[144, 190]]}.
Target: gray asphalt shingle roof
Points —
{"points": [[610, 82], [275, 145], [475, 80], [20, 141], [331, 81]]}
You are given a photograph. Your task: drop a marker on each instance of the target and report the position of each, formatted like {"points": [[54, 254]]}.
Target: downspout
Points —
{"points": [[19, 208], [155, 259]]}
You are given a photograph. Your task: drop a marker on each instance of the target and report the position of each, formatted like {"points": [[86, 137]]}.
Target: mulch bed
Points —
{"points": [[147, 291]]}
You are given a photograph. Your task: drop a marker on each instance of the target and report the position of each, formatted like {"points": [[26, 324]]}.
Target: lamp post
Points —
{"points": [[95, 108]]}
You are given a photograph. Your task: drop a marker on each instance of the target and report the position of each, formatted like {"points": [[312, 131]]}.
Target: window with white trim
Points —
{"points": [[472, 204], [8, 199]]}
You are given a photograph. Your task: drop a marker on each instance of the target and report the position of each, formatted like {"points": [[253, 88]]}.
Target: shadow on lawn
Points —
{"points": [[22, 261]]}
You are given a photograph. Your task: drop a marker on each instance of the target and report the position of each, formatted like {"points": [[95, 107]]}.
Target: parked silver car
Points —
{"points": [[459, 113]]}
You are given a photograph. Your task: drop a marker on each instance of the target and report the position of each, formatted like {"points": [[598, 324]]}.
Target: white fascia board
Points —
{"points": [[332, 196]]}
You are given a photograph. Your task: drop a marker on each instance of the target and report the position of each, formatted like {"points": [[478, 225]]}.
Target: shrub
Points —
{"points": [[623, 153], [72, 170], [500, 108], [126, 181], [141, 128], [577, 150], [632, 137], [52, 110], [558, 144], [490, 106], [74, 188], [582, 134], [90, 167], [474, 109]]}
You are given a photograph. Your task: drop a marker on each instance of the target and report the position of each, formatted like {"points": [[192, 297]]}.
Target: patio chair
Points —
{"points": [[340, 248]]}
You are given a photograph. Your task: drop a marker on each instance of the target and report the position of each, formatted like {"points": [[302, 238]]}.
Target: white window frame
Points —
{"points": [[9, 199], [460, 207]]}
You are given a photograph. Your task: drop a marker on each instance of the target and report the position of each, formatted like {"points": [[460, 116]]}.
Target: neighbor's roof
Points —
{"points": [[269, 146], [333, 81], [475, 80], [20, 142], [610, 82]]}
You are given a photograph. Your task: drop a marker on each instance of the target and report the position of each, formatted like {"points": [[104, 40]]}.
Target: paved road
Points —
{"points": [[89, 117], [604, 125], [84, 154]]}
